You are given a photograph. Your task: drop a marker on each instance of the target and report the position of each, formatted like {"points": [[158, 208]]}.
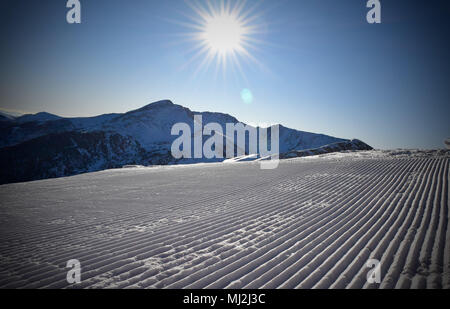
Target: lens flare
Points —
{"points": [[247, 96]]}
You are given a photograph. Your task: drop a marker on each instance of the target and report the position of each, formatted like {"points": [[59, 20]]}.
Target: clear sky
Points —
{"points": [[320, 67]]}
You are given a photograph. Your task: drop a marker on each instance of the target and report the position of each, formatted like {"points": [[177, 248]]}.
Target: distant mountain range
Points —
{"points": [[43, 145]]}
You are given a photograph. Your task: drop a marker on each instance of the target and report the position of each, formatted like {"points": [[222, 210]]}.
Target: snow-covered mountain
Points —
{"points": [[45, 145]]}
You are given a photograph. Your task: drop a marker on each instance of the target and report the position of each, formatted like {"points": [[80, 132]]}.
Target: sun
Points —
{"points": [[224, 34]]}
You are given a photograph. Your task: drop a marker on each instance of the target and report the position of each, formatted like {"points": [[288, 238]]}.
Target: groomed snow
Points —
{"points": [[312, 223]]}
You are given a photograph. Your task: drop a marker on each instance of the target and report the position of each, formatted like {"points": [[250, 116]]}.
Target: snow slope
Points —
{"points": [[312, 223]]}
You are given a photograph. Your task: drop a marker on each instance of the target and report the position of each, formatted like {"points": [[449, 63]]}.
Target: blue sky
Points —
{"points": [[322, 68]]}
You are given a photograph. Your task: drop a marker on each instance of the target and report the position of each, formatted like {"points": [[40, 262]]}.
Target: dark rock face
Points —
{"points": [[68, 153], [336, 147]]}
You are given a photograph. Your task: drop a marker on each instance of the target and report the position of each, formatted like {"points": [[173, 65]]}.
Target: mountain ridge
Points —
{"points": [[138, 137]]}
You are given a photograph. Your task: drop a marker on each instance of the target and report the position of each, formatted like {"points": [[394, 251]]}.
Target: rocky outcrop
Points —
{"points": [[335, 147]]}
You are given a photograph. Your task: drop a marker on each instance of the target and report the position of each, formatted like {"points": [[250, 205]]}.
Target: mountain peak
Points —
{"points": [[158, 104], [40, 117], [155, 106]]}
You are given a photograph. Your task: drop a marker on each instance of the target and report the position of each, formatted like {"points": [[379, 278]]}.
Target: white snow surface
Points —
{"points": [[312, 223]]}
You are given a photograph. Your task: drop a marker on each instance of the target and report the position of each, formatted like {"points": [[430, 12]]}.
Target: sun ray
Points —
{"points": [[223, 33]]}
